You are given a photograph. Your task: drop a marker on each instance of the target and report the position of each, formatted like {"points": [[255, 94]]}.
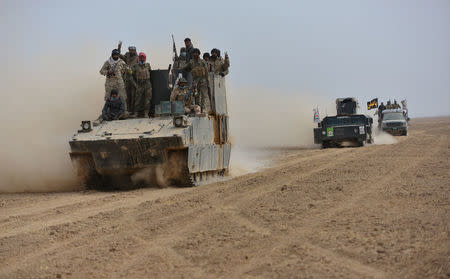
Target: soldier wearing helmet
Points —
{"points": [[183, 93], [141, 75], [199, 70], [217, 65], [130, 58]]}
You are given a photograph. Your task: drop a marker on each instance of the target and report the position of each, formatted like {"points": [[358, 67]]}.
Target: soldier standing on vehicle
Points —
{"points": [[189, 49], [206, 57], [389, 105], [395, 105], [141, 75], [115, 69], [114, 107], [380, 111], [217, 65], [180, 61], [183, 93], [199, 71], [130, 58]]}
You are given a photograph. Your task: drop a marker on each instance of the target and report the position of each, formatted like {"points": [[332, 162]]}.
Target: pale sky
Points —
{"points": [[379, 48]]}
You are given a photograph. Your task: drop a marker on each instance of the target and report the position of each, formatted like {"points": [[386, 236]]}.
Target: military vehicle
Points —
{"points": [[394, 122], [347, 127], [169, 148]]}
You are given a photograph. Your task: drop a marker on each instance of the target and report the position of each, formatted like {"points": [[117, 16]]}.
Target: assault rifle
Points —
{"points": [[174, 49]]}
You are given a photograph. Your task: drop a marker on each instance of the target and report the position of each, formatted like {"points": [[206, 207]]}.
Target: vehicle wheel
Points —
{"points": [[405, 133], [360, 143], [325, 144]]}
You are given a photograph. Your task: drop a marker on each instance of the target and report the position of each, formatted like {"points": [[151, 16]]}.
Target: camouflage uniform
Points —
{"points": [[179, 94], [115, 81], [199, 71], [219, 65], [179, 63], [130, 85], [389, 105], [141, 74], [395, 105]]}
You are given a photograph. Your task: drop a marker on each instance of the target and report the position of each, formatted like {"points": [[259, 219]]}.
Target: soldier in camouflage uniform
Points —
{"points": [[199, 71], [183, 93], [217, 65], [130, 58], [206, 57], [115, 69], [389, 105], [141, 75], [180, 61], [395, 105]]}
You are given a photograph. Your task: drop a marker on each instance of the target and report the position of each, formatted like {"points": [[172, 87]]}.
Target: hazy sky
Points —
{"points": [[379, 48]]}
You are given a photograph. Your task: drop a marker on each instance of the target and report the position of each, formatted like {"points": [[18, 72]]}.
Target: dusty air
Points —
{"points": [[277, 139]]}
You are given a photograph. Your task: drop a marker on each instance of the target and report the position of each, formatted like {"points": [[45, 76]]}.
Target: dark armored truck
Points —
{"points": [[346, 127], [169, 148]]}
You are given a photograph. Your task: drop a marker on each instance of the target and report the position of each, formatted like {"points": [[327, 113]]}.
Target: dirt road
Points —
{"points": [[381, 211]]}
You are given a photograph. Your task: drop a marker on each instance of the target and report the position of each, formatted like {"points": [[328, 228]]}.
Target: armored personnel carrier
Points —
{"points": [[169, 149], [346, 127]]}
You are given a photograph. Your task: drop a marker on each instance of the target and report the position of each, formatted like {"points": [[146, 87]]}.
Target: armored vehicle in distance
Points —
{"points": [[169, 149], [347, 127]]}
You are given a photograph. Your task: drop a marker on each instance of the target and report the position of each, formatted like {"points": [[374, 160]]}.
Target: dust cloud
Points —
{"points": [[381, 137], [44, 103], [265, 121]]}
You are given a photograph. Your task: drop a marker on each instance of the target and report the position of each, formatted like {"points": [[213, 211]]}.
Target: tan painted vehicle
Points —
{"points": [[169, 148]]}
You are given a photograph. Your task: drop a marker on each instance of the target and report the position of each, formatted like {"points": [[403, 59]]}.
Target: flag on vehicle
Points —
{"points": [[373, 104], [316, 115]]}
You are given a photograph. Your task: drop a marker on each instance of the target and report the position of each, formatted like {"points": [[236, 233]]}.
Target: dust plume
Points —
{"points": [[43, 106], [263, 121], [381, 137], [44, 101]]}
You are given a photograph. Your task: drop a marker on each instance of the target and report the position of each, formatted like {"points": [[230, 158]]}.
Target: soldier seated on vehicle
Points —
{"points": [[114, 107], [183, 93]]}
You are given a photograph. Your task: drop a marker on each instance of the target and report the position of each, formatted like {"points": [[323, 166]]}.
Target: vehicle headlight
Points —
{"points": [[86, 126], [324, 133], [180, 121]]}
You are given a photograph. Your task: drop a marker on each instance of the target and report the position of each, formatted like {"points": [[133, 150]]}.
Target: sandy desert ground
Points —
{"points": [[380, 211]]}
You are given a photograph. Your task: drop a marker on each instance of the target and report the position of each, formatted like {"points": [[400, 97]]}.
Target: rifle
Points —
{"points": [[174, 49]]}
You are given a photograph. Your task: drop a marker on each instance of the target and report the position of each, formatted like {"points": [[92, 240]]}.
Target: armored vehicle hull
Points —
{"points": [[168, 149]]}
